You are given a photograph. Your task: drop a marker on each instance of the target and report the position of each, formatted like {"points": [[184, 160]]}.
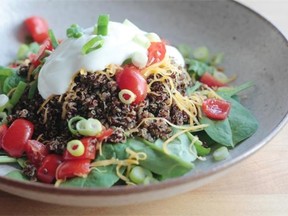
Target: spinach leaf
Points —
{"points": [[233, 91], [180, 147], [17, 175], [104, 177], [199, 68], [157, 161], [219, 131], [243, 124], [11, 82], [194, 88]]}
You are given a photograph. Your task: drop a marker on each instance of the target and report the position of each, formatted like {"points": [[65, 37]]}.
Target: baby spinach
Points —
{"points": [[157, 161], [243, 124], [219, 131], [104, 177], [239, 125]]}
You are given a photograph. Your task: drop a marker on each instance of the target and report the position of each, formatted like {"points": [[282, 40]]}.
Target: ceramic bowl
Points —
{"points": [[253, 48]]}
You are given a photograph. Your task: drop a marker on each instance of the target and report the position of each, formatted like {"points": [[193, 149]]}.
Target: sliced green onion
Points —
{"points": [[139, 59], [149, 180], [130, 24], [93, 44], [153, 37], [32, 89], [217, 59], [3, 99], [221, 153], [72, 122], [138, 174], [22, 51], [75, 148], [18, 93], [3, 117], [102, 24], [124, 93], [53, 39], [74, 31], [142, 41], [90, 127], [7, 159], [201, 54]]}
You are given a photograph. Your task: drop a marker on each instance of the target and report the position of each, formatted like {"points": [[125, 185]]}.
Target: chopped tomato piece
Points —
{"points": [[72, 168], [38, 28], [211, 81], [89, 152], [17, 136], [36, 152], [36, 58], [156, 52], [104, 134], [131, 79], [47, 171], [3, 130], [216, 109]]}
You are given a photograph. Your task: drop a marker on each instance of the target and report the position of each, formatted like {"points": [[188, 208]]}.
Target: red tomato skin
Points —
{"points": [[156, 52], [38, 28], [104, 134], [130, 78], [17, 136], [47, 171], [3, 130], [89, 152], [211, 81], [216, 109], [36, 152], [73, 168], [35, 58]]}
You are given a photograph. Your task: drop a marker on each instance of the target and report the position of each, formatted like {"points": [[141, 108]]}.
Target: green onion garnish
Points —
{"points": [[72, 123], [74, 31], [18, 93], [93, 44], [7, 159], [53, 39], [102, 25], [32, 89], [221, 153]]}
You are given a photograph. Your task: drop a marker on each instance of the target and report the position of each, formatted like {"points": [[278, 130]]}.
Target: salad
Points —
{"points": [[115, 105]]}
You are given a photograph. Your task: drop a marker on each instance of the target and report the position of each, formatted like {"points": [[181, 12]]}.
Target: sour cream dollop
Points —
{"points": [[119, 45]]}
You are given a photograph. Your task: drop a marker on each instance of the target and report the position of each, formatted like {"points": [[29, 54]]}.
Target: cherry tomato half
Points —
{"points": [[89, 152], [72, 168], [156, 52], [36, 152], [17, 136], [131, 79], [47, 171], [211, 81], [38, 28], [3, 130], [216, 109]]}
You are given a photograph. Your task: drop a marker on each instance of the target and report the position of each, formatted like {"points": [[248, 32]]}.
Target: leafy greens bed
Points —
{"points": [[145, 120]]}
